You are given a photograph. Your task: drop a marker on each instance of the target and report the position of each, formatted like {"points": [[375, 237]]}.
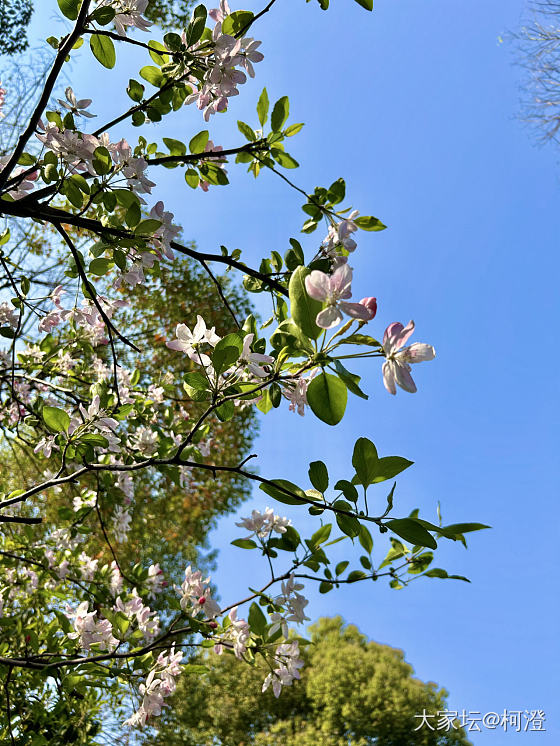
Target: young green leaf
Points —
{"points": [[304, 309], [262, 107], [318, 475], [280, 113], [411, 530], [327, 396], [103, 50], [56, 419], [364, 460]]}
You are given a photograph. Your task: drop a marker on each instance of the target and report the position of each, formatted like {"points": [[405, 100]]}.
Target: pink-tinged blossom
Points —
{"points": [[294, 604], [87, 499], [25, 185], [121, 523], [90, 630], [295, 392], [8, 315], [76, 149], [146, 619], [255, 359], [263, 524], [287, 670], [236, 636], [189, 342], [396, 369], [75, 106], [196, 595], [47, 445], [340, 235], [371, 305], [167, 232], [334, 290], [155, 582], [131, 167], [160, 684], [128, 14]]}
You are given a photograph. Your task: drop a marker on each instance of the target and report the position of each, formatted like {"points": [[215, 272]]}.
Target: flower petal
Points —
{"points": [[317, 285], [417, 353], [403, 377], [389, 377], [356, 310], [328, 317]]}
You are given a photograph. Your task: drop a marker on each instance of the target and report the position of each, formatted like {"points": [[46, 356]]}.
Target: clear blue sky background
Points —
{"points": [[416, 105]]}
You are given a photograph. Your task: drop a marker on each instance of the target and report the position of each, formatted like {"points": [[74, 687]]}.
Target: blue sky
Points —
{"points": [[416, 106]]}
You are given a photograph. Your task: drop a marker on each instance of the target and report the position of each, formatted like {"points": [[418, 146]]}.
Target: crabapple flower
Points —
{"points": [[371, 305], [46, 445], [295, 392], [196, 594], [121, 523], [92, 631], [25, 185], [160, 683], [75, 106], [334, 290], [340, 235], [254, 358], [128, 14], [287, 670], [236, 636], [263, 524], [155, 582], [188, 342], [167, 231], [396, 369]]}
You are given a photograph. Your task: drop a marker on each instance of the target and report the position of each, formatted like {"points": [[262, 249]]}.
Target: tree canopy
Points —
{"points": [[352, 692]]}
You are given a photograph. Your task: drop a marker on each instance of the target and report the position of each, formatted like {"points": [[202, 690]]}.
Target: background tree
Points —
{"points": [[353, 692], [538, 44]]}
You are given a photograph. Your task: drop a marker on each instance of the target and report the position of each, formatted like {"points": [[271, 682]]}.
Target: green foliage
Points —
{"points": [[353, 692]]}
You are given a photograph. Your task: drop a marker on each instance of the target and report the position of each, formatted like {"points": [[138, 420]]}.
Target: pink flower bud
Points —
{"points": [[371, 305], [212, 625], [202, 600]]}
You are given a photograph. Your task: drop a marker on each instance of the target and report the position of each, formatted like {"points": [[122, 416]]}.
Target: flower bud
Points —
{"points": [[371, 305], [213, 625], [202, 600]]}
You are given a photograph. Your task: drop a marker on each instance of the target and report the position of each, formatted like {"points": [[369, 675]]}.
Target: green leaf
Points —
{"points": [[244, 543], [304, 309], [226, 352], [70, 8], [293, 129], [99, 266], [246, 131], [351, 380], [56, 419], [192, 178], [364, 461], [360, 339], [198, 142], [236, 22], [262, 107], [225, 411], [195, 29], [135, 90], [339, 569], [147, 227], [103, 50], [257, 620], [318, 475], [356, 575], [364, 537], [327, 397], [367, 4], [464, 528], [347, 489], [176, 147], [101, 161], [280, 113], [279, 489], [411, 530], [389, 466], [321, 535], [367, 222], [153, 75], [284, 159]]}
